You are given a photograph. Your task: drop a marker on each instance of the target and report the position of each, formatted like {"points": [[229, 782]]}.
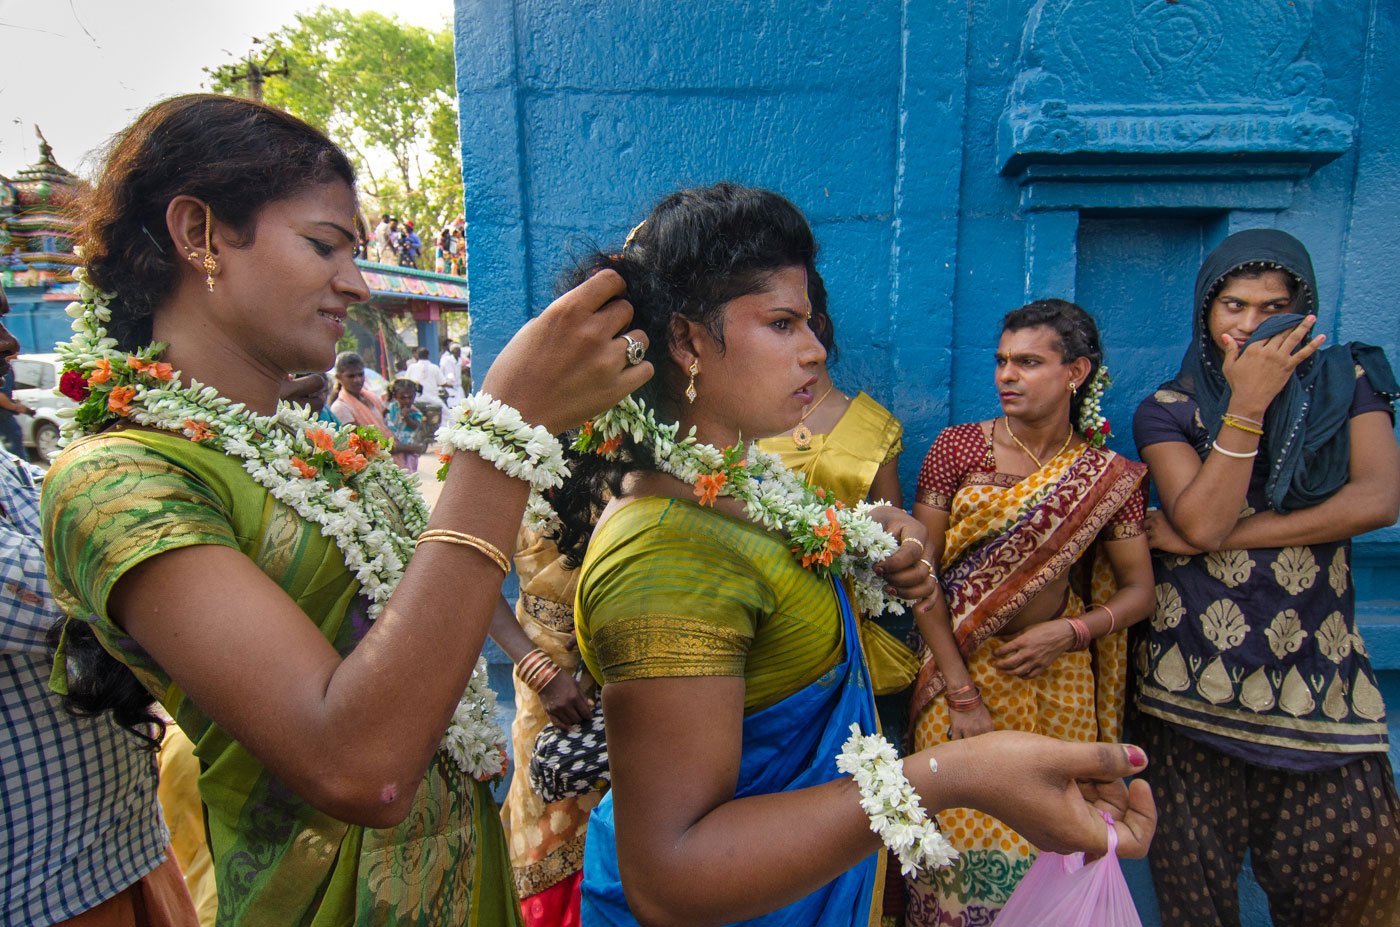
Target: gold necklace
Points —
{"points": [[802, 435], [1038, 465]]}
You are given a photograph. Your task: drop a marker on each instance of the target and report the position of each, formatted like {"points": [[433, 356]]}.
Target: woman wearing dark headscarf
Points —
{"points": [[1270, 452]]}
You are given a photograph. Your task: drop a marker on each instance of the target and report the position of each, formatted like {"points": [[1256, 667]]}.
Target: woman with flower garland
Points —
{"points": [[719, 626], [1011, 506], [251, 569]]}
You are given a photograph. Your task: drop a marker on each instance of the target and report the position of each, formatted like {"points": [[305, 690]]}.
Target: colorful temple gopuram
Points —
{"points": [[37, 261], [36, 249]]}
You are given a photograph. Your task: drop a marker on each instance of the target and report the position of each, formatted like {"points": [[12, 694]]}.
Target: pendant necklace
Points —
{"points": [[1038, 465], [802, 435]]}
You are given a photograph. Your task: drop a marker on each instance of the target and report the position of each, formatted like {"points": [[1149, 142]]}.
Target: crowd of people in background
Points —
{"points": [[396, 242], [684, 683]]}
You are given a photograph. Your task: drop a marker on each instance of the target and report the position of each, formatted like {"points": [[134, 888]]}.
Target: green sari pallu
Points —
{"points": [[113, 501]]}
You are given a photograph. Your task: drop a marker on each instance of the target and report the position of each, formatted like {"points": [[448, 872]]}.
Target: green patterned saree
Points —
{"points": [[115, 500]]}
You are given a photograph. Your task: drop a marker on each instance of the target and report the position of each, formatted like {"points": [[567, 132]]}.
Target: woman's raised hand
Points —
{"points": [[1053, 793], [570, 362], [907, 571], [1257, 372]]}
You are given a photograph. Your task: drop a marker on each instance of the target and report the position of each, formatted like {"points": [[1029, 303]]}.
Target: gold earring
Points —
{"points": [[690, 392], [209, 262], [1073, 388]]}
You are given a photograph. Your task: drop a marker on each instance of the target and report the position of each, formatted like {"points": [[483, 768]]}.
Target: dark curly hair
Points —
{"points": [[236, 155], [697, 250], [1076, 336]]}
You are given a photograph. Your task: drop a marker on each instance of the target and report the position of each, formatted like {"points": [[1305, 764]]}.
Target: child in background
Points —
{"points": [[406, 423]]}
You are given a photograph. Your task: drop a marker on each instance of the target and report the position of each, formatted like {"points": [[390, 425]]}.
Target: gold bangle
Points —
{"points": [[531, 661], [543, 678], [1241, 424], [465, 540]]}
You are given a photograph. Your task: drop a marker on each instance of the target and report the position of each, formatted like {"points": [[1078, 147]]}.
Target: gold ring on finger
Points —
{"points": [[914, 541], [927, 564]]}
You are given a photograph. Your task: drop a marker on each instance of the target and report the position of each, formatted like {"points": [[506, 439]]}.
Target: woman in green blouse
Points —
{"points": [[219, 241], [728, 679]]}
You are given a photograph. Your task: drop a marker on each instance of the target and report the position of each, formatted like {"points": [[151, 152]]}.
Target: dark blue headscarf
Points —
{"points": [[1306, 444]]}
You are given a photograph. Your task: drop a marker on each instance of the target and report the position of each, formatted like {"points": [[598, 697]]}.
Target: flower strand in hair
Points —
{"points": [[1092, 424]]}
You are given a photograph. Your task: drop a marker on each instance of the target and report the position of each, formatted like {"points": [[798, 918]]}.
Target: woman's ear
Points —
{"points": [[685, 342], [195, 234], [1079, 371]]}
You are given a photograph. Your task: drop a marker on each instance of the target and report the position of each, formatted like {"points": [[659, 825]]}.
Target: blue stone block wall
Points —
{"points": [[957, 160]]}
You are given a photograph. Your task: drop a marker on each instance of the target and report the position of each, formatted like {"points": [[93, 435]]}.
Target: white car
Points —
{"points": [[36, 377]]}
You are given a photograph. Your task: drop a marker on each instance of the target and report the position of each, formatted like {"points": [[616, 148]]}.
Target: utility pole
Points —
{"points": [[254, 74]]}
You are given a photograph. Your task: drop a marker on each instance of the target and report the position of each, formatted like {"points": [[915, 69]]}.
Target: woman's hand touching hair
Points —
{"points": [[570, 362]]}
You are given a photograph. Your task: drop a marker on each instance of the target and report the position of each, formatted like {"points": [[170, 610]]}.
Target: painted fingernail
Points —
{"points": [[1135, 755]]}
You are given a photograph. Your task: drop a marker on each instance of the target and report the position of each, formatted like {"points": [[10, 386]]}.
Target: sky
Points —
{"points": [[84, 69]]}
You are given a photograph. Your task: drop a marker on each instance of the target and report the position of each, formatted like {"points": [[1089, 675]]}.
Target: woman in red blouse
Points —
{"points": [[1037, 530]]}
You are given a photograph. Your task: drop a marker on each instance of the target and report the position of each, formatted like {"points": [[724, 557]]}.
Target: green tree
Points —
{"points": [[384, 91]]}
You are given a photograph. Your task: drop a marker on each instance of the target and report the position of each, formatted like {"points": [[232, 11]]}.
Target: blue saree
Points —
{"points": [[787, 746]]}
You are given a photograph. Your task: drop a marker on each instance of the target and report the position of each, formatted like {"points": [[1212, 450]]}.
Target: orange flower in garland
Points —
{"points": [[199, 431], [321, 439], [101, 372], [707, 487], [834, 542], [350, 462], [157, 369], [610, 445], [119, 399], [363, 445], [307, 471]]}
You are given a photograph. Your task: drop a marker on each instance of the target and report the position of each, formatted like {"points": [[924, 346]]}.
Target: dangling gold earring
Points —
{"points": [[209, 262], [1073, 388], [690, 392]]}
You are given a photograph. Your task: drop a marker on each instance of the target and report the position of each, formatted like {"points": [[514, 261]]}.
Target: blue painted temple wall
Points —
{"points": [[957, 160]]}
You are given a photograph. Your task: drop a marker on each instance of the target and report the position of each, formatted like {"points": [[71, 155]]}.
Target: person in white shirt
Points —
{"points": [[426, 374], [451, 366]]}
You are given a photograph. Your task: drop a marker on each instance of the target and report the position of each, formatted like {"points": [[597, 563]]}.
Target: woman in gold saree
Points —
{"points": [[1023, 641], [849, 446]]}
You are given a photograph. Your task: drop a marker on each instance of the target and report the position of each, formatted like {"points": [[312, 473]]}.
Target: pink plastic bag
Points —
{"points": [[1061, 891]]}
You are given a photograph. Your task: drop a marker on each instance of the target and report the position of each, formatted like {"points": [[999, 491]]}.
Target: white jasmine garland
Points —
{"points": [[496, 432], [341, 480], [892, 804], [826, 536]]}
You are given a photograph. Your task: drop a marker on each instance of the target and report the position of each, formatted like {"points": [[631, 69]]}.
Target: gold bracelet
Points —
{"points": [[1241, 424], [465, 540]]}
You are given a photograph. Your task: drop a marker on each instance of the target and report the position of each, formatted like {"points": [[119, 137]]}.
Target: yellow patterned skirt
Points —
{"points": [[1058, 703]]}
